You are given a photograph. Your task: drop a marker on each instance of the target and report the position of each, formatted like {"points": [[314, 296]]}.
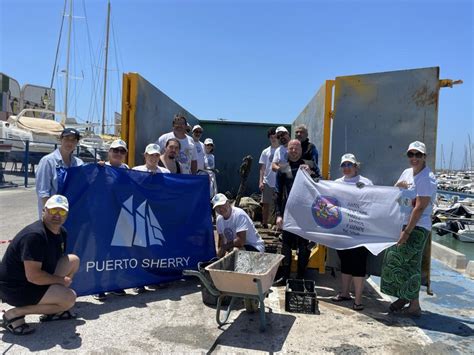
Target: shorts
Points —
{"points": [[353, 261], [19, 294], [267, 194]]}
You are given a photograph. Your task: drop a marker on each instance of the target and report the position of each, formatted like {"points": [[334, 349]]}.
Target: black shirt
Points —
{"points": [[284, 183], [178, 167], [35, 242]]}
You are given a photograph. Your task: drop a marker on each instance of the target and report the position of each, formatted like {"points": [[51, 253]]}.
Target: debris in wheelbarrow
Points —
{"points": [[237, 270]]}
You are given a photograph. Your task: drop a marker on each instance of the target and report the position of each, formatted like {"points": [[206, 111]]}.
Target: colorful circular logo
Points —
{"points": [[229, 234], [326, 212]]}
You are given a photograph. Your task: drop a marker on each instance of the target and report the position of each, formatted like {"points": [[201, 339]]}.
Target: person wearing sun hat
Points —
{"points": [[47, 182], [401, 268], [36, 273], [152, 157], [353, 261]]}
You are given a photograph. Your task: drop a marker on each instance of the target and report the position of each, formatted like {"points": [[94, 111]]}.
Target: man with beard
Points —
{"points": [[187, 153], [280, 158], [168, 158]]}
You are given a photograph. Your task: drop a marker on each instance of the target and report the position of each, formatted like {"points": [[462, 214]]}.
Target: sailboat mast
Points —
{"points": [[451, 158], [470, 152], [105, 70], [67, 59]]}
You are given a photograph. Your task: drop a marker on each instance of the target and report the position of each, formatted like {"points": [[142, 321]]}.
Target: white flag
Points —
{"points": [[343, 216]]}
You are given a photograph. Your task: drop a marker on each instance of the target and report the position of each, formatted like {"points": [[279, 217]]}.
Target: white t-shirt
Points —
{"points": [[423, 184], [144, 168], [266, 158], [200, 153], [354, 180], [281, 155], [187, 152], [239, 221], [209, 162]]}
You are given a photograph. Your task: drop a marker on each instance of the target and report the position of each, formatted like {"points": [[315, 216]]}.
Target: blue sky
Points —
{"points": [[249, 60]]}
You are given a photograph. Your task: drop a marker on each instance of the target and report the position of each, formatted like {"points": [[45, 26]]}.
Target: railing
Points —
{"points": [[30, 154]]}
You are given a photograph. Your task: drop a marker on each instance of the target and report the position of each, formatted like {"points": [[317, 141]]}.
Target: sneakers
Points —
{"points": [[100, 296], [140, 289]]}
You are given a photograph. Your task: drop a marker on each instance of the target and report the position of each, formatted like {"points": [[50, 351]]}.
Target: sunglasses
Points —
{"points": [[55, 211], [347, 165], [119, 150], [417, 155], [198, 132]]}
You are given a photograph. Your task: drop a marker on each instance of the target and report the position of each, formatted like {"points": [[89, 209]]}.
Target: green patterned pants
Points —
{"points": [[401, 268]]}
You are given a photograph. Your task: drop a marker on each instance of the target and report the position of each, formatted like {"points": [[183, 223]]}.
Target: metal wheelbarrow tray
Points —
{"points": [[241, 274]]}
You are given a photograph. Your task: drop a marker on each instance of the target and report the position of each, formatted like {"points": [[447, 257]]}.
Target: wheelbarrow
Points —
{"points": [[240, 274]]}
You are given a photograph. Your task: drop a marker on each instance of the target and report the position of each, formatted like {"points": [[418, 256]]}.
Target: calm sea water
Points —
{"points": [[449, 241]]}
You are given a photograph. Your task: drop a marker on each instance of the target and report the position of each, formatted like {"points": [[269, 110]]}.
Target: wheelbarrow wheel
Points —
{"points": [[251, 305]]}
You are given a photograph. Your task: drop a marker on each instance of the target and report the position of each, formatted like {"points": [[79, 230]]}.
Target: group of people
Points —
{"points": [[36, 273], [401, 271]]}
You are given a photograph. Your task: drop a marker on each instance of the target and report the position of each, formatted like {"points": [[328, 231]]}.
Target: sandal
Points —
{"points": [[66, 315], [406, 312], [22, 329], [357, 307], [397, 305], [339, 298]]}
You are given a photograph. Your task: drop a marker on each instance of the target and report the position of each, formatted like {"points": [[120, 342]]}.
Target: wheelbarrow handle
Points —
{"points": [[212, 290]]}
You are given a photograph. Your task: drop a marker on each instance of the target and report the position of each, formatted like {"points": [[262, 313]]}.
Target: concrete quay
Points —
{"points": [[174, 319]]}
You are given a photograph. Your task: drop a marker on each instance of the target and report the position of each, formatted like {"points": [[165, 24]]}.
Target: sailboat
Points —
{"points": [[42, 134]]}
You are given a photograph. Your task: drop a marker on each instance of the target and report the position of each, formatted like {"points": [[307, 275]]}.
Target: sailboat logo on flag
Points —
{"points": [[326, 212], [139, 228]]}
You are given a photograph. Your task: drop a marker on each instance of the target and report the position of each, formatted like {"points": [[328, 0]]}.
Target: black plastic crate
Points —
{"points": [[300, 296]]}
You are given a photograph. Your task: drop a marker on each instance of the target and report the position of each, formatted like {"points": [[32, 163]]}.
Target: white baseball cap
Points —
{"points": [[118, 143], [281, 129], [57, 201], [416, 145], [218, 200], [349, 157], [197, 127], [208, 141], [152, 148]]}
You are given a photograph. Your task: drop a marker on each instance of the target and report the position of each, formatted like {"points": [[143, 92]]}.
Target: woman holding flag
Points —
{"points": [[401, 269], [353, 261]]}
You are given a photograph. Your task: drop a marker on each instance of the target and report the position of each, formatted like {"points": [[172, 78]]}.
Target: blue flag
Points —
{"points": [[132, 228]]}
